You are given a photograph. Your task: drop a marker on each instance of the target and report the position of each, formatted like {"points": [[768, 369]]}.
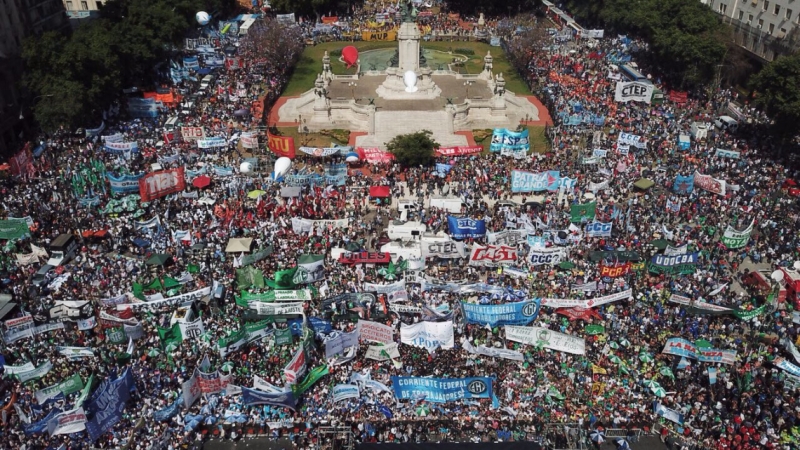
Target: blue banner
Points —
{"points": [[252, 397], [196, 173], [509, 142], [443, 168], [335, 170], [463, 228], [599, 229], [107, 404], [684, 184], [223, 171], [169, 412], [441, 390], [125, 183], [142, 107], [40, 426], [191, 62], [532, 182], [319, 325], [519, 313]]}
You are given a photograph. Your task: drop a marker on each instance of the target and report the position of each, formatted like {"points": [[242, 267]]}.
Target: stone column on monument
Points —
{"points": [[408, 38], [481, 20], [487, 66], [499, 99], [321, 104], [327, 74]]}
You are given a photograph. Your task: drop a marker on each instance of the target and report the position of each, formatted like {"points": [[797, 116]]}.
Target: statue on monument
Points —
{"points": [[408, 13]]}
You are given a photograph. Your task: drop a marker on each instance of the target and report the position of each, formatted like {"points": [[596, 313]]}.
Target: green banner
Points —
{"points": [[283, 336], [87, 389], [236, 336], [748, 315], [309, 380], [257, 256], [584, 212], [284, 279], [300, 295], [170, 335], [13, 229], [592, 330], [680, 269], [256, 327], [116, 335], [250, 276], [69, 386]]}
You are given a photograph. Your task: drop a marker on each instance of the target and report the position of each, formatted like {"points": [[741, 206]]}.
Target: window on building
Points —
{"points": [[777, 9], [69, 6], [771, 28], [788, 14], [85, 6], [749, 19], [766, 6], [760, 23], [741, 15], [722, 8]]}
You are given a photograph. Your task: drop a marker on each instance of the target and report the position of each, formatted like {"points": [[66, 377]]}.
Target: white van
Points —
{"points": [[727, 123], [408, 250], [405, 231], [699, 131], [452, 205], [405, 207]]}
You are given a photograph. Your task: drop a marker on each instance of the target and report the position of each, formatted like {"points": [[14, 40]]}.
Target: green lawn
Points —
{"points": [[309, 140], [310, 63]]}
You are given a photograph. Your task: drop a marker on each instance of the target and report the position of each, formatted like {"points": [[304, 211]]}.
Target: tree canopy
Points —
{"points": [[686, 38], [777, 89], [414, 149], [79, 75]]}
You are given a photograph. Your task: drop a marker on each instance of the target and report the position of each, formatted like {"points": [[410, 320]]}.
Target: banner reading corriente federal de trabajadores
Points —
{"points": [[441, 390]]}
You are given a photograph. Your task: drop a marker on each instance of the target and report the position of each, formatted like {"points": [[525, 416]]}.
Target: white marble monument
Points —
{"points": [[395, 86]]}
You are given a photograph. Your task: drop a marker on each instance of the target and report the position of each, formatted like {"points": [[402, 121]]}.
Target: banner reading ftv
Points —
{"points": [[281, 145], [159, 184], [441, 390]]}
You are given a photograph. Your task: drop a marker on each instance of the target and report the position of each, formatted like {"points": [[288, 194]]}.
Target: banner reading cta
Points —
{"points": [[159, 184], [441, 390], [281, 145]]}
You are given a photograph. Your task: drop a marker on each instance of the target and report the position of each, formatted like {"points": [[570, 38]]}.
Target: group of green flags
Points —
{"points": [[169, 284], [87, 177]]}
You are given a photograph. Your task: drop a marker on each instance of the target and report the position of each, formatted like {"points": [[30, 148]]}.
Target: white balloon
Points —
{"points": [[777, 275], [410, 80], [796, 265], [202, 18], [282, 166], [245, 167]]}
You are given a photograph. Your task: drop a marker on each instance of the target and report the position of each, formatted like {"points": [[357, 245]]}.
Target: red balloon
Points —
{"points": [[350, 55]]}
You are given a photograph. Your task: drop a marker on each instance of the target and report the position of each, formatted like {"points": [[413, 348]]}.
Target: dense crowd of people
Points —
{"points": [[161, 312]]}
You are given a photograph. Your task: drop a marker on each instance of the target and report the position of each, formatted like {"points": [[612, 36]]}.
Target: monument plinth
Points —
{"points": [[395, 86]]}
